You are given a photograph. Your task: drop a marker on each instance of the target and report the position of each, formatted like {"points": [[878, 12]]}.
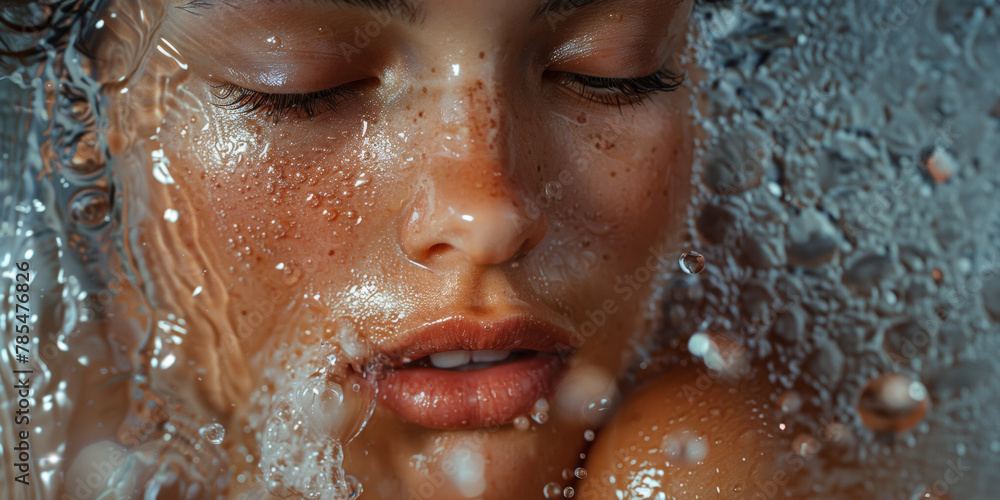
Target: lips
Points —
{"points": [[462, 373]]}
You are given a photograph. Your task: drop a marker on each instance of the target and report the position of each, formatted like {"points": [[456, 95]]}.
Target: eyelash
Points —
{"points": [[279, 106], [604, 90], [618, 91]]}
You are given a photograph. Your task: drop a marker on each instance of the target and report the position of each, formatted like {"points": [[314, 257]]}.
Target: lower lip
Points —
{"points": [[446, 399]]}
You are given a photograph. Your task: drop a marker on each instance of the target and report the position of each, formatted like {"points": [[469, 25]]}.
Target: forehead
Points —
{"points": [[400, 7]]}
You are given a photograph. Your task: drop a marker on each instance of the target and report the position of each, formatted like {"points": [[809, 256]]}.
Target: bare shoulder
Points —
{"points": [[685, 434]]}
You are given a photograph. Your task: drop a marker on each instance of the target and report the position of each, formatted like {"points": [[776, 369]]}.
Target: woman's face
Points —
{"points": [[468, 201]]}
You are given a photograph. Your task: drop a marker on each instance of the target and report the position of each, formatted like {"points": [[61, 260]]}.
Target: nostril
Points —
{"points": [[437, 248]]}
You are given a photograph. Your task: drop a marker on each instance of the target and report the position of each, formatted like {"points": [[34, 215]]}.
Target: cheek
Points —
{"points": [[271, 204]]}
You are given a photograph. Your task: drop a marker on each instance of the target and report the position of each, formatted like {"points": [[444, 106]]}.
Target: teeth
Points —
{"points": [[452, 359], [489, 356]]}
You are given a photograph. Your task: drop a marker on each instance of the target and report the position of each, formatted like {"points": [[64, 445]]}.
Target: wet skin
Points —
{"points": [[460, 168]]}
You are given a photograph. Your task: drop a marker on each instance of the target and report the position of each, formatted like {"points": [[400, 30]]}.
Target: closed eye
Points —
{"points": [[611, 91], [280, 106]]}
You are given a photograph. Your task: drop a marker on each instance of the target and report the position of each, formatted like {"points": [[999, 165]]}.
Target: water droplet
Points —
{"points": [[313, 200], [805, 445], [580, 473], [552, 490], [684, 447], [932, 493], [699, 344], [291, 275], [89, 207], [354, 488], [892, 403], [274, 41], [568, 492], [692, 262], [589, 435], [540, 413], [540, 416], [790, 402], [213, 432], [87, 158], [522, 423], [553, 190]]}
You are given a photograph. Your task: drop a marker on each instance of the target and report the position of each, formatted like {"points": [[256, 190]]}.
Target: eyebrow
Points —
{"points": [[560, 8]]}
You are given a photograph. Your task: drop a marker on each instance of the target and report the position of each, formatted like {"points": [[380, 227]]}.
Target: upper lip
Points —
{"points": [[463, 333]]}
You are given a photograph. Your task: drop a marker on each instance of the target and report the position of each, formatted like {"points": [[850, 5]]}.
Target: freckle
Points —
{"points": [[407, 107], [482, 55], [331, 252], [420, 114], [479, 84], [582, 118], [493, 123], [597, 145], [433, 70], [244, 313], [613, 173]]}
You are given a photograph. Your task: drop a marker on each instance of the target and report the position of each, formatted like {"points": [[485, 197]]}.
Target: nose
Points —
{"points": [[476, 216], [472, 199]]}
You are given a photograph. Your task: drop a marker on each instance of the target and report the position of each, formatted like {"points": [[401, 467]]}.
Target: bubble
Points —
{"points": [[721, 354], [522, 423], [540, 413], [790, 402], [89, 207], [87, 159], [540, 416], [940, 164], [589, 435], [568, 492], [354, 488], [931, 493], [552, 490], [692, 262], [213, 432], [589, 395], [892, 403], [699, 344], [580, 473], [683, 447], [805, 445]]}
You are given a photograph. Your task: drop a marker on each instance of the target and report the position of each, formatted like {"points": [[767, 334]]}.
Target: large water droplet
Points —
{"points": [[89, 207], [213, 432], [354, 487], [580, 473], [552, 490], [692, 262], [684, 447], [892, 403]]}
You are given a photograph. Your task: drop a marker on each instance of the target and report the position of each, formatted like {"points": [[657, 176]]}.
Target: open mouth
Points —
{"points": [[462, 374], [462, 360]]}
